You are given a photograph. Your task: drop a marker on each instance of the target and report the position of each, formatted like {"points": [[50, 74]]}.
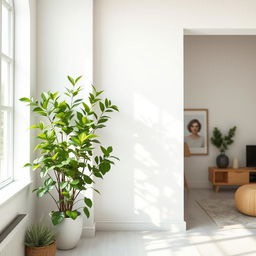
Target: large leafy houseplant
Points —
{"points": [[67, 162]]}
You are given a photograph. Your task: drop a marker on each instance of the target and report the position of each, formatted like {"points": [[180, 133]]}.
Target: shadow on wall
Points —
{"points": [[146, 186], [155, 171]]}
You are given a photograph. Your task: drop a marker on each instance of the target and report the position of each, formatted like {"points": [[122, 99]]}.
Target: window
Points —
{"points": [[6, 92]]}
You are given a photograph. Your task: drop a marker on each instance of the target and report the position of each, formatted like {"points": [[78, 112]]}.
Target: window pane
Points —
{"points": [[9, 1], [5, 83], [4, 144], [6, 30]]}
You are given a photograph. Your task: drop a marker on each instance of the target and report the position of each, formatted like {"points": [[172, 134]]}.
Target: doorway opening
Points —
{"points": [[219, 91]]}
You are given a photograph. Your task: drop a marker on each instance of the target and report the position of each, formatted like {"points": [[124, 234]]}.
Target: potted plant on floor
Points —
{"points": [[40, 241], [222, 142], [67, 162]]}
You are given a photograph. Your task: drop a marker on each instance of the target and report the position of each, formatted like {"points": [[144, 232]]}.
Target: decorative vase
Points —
{"points": [[68, 233], [49, 250], [222, 161]]}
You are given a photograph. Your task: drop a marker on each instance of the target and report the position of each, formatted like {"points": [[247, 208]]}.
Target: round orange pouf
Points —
{"points": [[245, 199]]}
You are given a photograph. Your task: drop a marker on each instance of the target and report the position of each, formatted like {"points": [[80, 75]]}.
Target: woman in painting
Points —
{"points": [[194, 140]]}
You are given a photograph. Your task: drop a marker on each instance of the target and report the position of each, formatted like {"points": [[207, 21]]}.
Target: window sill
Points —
{"points": [[10, 190]]}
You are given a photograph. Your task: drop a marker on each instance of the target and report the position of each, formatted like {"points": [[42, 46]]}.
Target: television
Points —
{"points": [[251, 155]]}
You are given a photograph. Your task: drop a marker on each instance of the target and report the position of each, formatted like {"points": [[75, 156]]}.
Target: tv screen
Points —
{"points": [[251, 155]]}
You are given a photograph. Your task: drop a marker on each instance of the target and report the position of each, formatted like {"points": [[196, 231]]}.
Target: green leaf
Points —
{"points": [[71, 80], [43, 172], [63, 184], [86, 212], [48, 181], [98, 175], [100, 126], [41, 191], [41, 136], [27, 165], [54, 95], [72, 214], [60, 115], [106, 103], [82, 137], [115, 158], [77, 79], [84, 119], [57, 217], [75, 140], [44, 96], [109, 149], [74, 182], [37, 146], [102, 120], [104, 151], [34, 190], [102, 107], [115, 108], [65, 193], [88, 202], [86, 107], [79, 116], [90, 136], [96, 190], [87, 179], [55, 156], [39, 111], [36, 166], [24, 99], [59, 122], [33, 127], [41, 125], [104, 167]]}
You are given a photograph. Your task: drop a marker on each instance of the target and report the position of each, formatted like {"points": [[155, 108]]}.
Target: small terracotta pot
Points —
{"points": [[49, 250]]}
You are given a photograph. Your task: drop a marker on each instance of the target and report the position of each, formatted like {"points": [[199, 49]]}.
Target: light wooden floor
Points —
{"points": [[202, 238]]}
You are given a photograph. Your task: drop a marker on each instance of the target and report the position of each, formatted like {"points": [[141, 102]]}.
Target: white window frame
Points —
{"points": [[9, 109]]}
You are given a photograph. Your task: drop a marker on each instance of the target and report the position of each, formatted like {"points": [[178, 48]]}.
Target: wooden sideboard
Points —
{"points": [[230, 176]]}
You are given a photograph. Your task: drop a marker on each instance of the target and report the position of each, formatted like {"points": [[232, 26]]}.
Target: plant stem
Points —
{"points": [[54, 200]]}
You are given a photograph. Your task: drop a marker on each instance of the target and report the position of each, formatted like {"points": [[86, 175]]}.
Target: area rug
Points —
{"points": [[225, 215]]}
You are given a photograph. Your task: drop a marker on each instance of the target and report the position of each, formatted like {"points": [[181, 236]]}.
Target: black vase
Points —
{"points": [[222, 161]]}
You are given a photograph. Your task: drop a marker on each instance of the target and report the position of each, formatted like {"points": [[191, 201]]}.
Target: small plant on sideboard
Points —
{"points": [[222, 142]]}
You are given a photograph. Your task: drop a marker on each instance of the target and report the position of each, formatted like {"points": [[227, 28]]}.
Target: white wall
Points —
{"points": [[220, 76], [64, 36], [138, 64]]}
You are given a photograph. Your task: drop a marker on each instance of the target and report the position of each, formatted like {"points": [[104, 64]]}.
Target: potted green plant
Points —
{"points": [[40, 241], [222, 142], [67, 161]]}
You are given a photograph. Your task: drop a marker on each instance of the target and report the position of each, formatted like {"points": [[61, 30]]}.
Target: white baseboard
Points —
{"points": [[89, 231], [140, 226]]}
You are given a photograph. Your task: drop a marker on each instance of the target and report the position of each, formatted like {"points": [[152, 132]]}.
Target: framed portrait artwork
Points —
{"points": [[196, 130]]}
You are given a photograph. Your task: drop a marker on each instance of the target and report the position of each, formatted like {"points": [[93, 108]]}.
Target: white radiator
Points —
{"points": [[12, 238]]}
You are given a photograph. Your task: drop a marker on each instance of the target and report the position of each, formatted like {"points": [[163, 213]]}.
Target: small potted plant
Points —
{"points": [[40, 241], [67, 162], [222, 142]]}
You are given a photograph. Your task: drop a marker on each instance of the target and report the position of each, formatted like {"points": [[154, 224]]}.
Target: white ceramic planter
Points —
{"points": [[68, 233]]}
